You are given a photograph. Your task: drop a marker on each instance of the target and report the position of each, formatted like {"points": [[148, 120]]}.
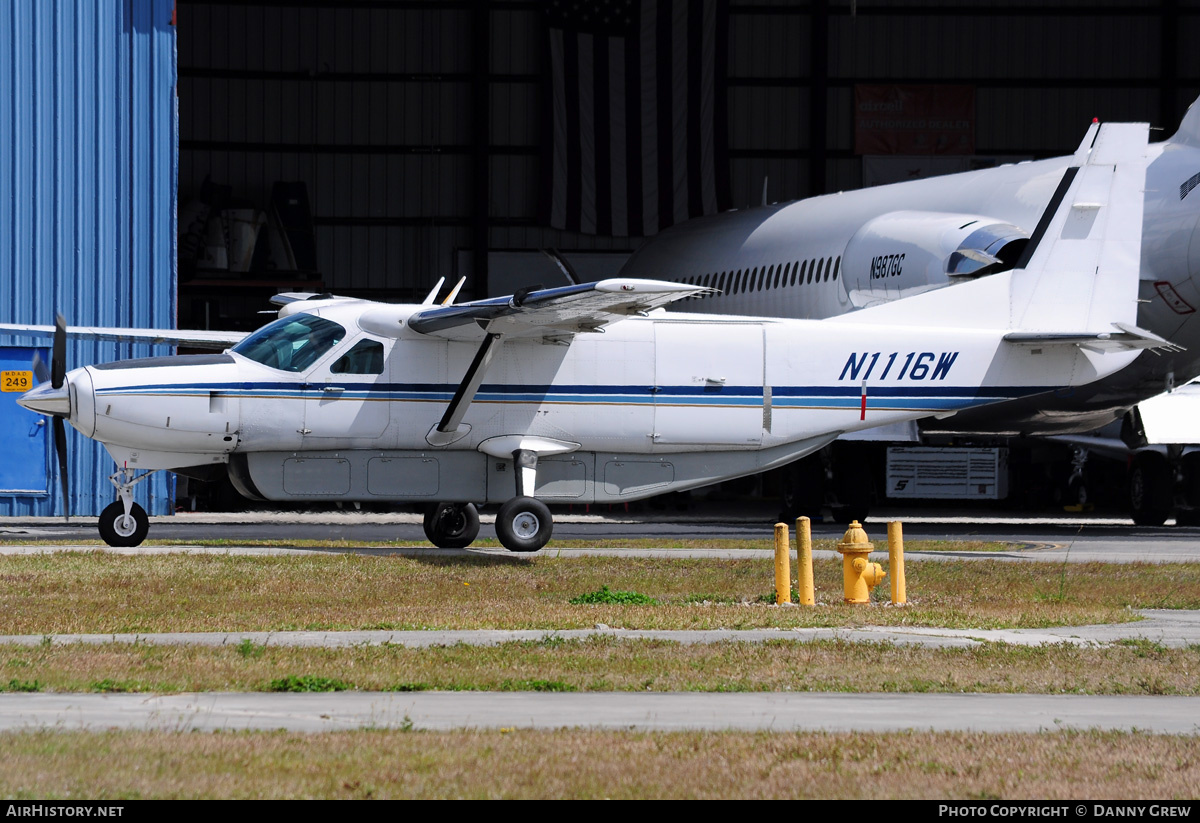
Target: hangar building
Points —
{"points": [[168, 164]]}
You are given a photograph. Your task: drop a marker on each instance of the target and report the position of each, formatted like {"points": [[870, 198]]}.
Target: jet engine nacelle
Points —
{"points": [[907, 252]]}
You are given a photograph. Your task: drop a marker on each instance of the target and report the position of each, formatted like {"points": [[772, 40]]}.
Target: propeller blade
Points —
{"points": [[58, 361], [60, 450], [39, 368]]}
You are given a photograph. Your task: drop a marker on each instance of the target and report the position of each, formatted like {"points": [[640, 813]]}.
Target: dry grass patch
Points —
{"points": [[583, 764], [99, 592], [608, 664]]}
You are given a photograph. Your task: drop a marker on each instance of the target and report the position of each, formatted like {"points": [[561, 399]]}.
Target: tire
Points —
{"points": [[1149, 490], [121, 532], [452, 525], [524, 524]]}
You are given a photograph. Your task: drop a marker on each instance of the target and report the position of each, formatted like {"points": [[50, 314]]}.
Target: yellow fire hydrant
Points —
{"points": [[859, 575]]}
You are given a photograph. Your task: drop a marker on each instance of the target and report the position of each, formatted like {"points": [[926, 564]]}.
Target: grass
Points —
{"points": [[88, 592], [1061, 766], [609, 664]]}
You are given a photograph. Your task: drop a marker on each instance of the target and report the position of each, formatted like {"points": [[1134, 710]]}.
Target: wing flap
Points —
{"points": [[566, 310]]}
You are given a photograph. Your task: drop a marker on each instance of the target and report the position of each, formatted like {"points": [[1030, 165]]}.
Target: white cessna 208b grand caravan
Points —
{"points": [[593, 392]]}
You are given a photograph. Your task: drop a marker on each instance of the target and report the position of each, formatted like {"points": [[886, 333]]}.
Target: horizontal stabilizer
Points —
{"points": [[1125, 338], [556, 312]]}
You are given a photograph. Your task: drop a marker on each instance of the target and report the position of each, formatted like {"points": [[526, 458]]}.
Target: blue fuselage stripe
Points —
{"points": [[881, 397]]}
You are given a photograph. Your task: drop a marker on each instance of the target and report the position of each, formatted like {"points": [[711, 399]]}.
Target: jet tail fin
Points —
{"points": [[1189, 128], [1078, 276]]}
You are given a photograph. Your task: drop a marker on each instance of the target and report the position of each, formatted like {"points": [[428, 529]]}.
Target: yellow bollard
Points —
{"points": [[859, 575], [783, 565], [896, 562], [804, 561]]}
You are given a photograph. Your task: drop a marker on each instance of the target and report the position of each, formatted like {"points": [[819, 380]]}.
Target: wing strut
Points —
{"points": [[447, 430]]}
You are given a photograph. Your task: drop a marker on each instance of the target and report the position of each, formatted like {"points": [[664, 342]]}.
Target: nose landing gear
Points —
{"points": [[124, 524]]}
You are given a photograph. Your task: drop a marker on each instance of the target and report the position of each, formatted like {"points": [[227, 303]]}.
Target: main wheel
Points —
{"points": [[1150, 490], [524, 524], [452, 525], [123, 531]]}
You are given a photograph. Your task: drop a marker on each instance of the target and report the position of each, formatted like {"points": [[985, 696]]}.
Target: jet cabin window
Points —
{"points": [[365, 358], [291, 343]]}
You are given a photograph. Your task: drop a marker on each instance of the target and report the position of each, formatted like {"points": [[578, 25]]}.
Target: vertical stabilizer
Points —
{"points": [[1084, 257]]}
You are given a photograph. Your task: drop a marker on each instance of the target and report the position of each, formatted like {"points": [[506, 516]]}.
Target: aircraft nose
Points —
{"points": [[46, 399]]}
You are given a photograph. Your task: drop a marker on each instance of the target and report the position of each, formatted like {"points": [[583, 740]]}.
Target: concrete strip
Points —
{"points": [[1169, 628], [779, 712]]}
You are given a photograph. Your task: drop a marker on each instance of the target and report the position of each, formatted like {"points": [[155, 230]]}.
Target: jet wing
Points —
{"points": [[196, 339], [551, 312]]}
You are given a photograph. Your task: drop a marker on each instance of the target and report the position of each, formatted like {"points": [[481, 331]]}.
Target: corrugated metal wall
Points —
{"points": [[371, 104], [88, 163]]}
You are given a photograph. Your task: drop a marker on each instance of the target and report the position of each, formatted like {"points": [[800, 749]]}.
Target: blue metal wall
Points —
{"points": [[88, 168]]}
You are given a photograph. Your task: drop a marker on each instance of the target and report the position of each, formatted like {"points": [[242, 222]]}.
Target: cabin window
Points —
{"points": [[812, 268], [291, 343], [828, 267], [837, 266], [737, 283], [365, 358], [778, 275]]}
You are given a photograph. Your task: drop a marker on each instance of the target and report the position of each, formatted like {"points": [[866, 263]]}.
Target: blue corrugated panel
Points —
{"points": [[88, 169]]}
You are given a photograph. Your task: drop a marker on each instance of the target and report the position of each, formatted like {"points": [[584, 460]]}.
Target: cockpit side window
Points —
{"points": [[365, 358], [291, 343]]}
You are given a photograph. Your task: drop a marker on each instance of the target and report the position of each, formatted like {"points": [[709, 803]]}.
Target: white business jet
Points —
{"points": [[593, 392]]}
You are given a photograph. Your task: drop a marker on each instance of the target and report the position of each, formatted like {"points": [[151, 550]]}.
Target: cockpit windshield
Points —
{"points": [[291, 343]]}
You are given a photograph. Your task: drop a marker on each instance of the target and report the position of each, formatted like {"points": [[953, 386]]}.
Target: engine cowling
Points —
{"points": [[907, 252]]}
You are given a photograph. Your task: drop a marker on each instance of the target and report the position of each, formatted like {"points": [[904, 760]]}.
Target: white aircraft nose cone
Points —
{"points": [[45, 399]]}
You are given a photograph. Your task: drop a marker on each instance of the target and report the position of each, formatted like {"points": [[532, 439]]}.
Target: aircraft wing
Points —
{"points": [[196, 339], [551, 312]]}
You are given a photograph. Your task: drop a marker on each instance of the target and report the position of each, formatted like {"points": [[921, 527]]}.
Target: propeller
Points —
{"points": [[58, 374], [53, 398]]}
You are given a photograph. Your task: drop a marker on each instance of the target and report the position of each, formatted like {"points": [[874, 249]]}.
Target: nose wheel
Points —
{"points": [[122, 530], [124, 524]]}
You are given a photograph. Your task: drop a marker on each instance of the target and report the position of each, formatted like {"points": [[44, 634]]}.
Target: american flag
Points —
{"points": [[637, 114]]}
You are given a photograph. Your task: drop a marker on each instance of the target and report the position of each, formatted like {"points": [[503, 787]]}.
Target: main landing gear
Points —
{"points": [[523, 524], [124, 524]]}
